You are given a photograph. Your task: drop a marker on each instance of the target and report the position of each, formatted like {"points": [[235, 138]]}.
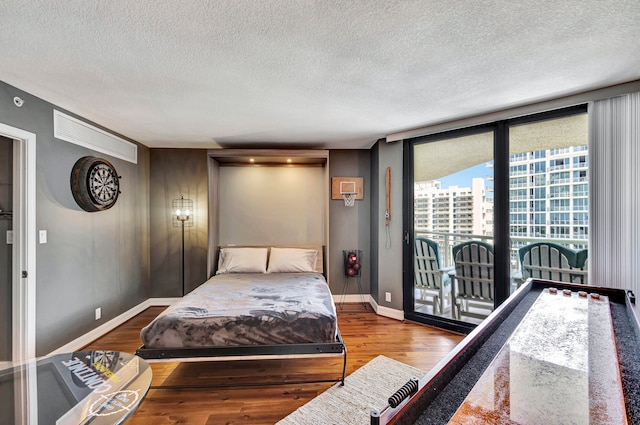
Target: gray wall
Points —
{"points": [[388, 248], [91, 259], [375, 220], [176, 172], [349, 227], [6, 204]]}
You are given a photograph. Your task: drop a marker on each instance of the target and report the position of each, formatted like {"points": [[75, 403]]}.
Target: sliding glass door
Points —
{"points": [[452, 227], [549, 198], [474, 197]]}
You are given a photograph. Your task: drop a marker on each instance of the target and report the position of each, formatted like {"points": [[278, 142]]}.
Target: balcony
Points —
{"points": [[446, 241], [560, 167]]}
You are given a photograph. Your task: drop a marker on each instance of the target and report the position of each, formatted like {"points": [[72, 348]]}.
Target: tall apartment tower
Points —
{"points": [[549, 194]]}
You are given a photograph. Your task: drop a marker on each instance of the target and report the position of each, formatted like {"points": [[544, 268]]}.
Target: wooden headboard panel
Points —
{"points": [[320, 248]]}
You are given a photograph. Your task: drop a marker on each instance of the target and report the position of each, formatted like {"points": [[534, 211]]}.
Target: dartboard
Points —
{"points": [[95, 184]]}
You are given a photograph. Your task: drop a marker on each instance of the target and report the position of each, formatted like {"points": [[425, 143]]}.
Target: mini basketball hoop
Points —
{"points": [[349, 198], [349, 189], [348, 192]]}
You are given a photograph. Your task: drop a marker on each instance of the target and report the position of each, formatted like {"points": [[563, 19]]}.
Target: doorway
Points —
{"points": [[451, 215], [6, 240], [23, 240]]}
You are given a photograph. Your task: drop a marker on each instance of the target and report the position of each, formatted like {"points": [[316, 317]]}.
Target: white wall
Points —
{"points": [[271, 205]]}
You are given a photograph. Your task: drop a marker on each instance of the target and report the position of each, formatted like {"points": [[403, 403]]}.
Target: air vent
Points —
{"points": [[73, 130]]}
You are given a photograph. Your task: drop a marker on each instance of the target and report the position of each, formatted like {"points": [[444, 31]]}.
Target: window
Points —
{"points": [[559, 218], [581, 204], [539, 231], [559, 191], [581, 218], [518, 182], [581, 190], [559, 178], [517, 170], [547, 188], [559, 232], [558, 151], [518, 157], [580, 176], [581, 231], [518, 219], [519, 206], [539, 218], [520, 194], [560, 204], [580, 161]]}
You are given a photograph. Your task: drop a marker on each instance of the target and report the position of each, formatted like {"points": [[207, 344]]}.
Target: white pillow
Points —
{"points": [[292, 260], [242, 260]]}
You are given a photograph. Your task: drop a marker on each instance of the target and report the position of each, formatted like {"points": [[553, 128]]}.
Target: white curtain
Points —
{"points": [[614, 181]]}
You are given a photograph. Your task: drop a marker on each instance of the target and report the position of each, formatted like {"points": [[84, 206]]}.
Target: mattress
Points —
{"points": [[248, 309]]}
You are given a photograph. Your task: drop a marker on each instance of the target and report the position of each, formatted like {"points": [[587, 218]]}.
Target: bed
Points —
{"points": [[263, 302]]}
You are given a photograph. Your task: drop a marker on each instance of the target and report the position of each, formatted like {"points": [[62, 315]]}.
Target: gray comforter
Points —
{"points": [[248, 309]]}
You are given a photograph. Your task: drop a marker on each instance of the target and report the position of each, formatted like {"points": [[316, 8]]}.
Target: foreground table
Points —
{"points": [[560, 366], [563, 357], [97, 387]]}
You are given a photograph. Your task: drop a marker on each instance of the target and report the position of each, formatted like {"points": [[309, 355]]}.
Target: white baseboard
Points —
{"points": [[352, 298], [106, 327], [160, 302], [386, 311]]}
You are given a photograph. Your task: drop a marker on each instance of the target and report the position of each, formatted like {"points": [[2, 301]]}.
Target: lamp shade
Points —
{"points": [[182, 212]]}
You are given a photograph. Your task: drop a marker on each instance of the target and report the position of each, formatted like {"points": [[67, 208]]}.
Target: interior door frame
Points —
{"points": [[24, 242]]}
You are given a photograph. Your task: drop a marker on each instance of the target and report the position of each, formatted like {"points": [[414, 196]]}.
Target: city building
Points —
{"points": [[548, 200], [548, 195], [453, 209]]}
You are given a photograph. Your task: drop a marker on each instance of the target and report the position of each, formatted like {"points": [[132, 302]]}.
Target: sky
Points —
{"points": [[463, 178]]}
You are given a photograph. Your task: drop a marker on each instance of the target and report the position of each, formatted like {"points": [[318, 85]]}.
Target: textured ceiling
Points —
{"points": [[326, 74]]}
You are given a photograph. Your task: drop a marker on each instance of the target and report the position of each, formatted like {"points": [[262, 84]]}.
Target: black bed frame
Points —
{"points": [[250, 352]]}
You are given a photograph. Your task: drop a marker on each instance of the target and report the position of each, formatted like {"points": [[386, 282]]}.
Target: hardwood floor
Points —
{"points": [[365, 334]]}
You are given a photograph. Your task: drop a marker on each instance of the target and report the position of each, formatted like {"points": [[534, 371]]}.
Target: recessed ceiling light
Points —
{"points": [[289, 160], [252, 160]]}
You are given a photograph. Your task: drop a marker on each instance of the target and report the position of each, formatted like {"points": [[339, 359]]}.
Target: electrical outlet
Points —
{"points": [[387, 297], [98, 313]]}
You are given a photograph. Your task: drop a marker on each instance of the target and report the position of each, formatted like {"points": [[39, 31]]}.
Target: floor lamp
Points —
{"points": [[182, 211]]}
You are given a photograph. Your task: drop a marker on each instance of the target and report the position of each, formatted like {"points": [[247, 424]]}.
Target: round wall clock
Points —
{"points": [[95, 184]]}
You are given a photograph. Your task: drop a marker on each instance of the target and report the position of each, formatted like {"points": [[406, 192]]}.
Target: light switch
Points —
{"points": [[43, 236], [9, 237]]}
